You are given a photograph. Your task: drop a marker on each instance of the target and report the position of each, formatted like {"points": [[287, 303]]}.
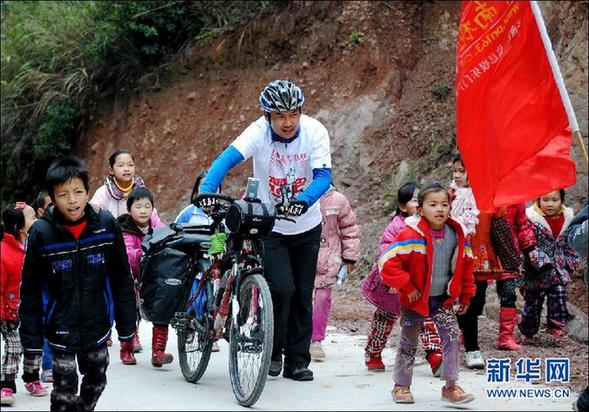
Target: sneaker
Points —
{"points": [[374, 362], [557, 333], [455, 394], [474, 360], [7, 397], [434, 358], [316, 351], [215, 347], [47, 376], [298, 373], [275, 367], [402, 394], [36, 388]]}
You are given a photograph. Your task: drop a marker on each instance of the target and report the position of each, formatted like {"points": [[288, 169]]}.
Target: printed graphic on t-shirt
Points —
{"points": [[289, 170]]}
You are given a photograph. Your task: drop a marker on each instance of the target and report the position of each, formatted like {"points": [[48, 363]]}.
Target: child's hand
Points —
{"points": [[533, 256], [462, 308], [414, 295], [392, 291]]}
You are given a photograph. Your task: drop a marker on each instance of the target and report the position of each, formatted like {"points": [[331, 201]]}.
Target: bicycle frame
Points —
{"points": [[245, 262]]}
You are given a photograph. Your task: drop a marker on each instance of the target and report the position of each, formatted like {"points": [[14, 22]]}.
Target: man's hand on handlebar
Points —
{"points": [[294, 208], [206, 202]]}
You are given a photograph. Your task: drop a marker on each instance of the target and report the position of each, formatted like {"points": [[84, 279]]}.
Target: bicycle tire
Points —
{"points": [[251, 338], [194, 348]]}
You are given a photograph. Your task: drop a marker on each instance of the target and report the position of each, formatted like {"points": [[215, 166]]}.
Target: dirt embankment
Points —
{"points": [[379, 75]]}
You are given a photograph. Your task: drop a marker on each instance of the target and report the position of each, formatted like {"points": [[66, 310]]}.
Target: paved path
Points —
{"points": [[341, 383]]}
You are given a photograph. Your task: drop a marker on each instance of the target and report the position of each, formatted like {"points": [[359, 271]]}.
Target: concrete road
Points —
{"points": [[341, 383]]}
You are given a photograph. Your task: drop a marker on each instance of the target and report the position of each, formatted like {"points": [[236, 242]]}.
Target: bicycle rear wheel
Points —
{"points": [[250, 346], [194, 347]]}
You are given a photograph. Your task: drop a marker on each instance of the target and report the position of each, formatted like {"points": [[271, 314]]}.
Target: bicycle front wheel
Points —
{"points": [[194, 347], [250, 346]]}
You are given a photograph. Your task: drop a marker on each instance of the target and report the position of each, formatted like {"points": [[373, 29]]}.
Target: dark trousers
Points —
{"points": [[92, 365], [290, 262], [469, 322]]}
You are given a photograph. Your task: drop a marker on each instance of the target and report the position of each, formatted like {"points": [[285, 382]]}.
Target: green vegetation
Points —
{"points": [[59, 57], [441, 91], [355, 37]]}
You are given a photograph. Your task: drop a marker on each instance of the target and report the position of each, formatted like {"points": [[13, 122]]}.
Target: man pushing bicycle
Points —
{"points": [[292, 161]]}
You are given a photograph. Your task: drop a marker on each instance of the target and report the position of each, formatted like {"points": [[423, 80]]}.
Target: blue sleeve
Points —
{"points": [[222, 164], [319, 185], [184, 216]]}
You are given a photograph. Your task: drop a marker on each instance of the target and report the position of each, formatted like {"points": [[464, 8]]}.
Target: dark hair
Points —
{"points": [[458, 158], [113, 157], [560, 192], [404, 195], [139, 192], [39, 202], [431, 188], [65, 169], [13, 220]]}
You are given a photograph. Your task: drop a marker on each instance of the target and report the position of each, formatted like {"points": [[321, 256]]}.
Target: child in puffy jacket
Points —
{"points": [[340, 244], [76, 257], [549, 275], [135, 225], [430, 264], [386, 299], [16, 219]]}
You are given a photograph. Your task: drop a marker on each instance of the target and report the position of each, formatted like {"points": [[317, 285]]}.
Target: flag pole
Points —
{"points": [[566, 101], [579, 140]]}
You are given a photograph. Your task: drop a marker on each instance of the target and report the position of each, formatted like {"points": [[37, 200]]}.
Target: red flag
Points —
{"points": [[513, 129]]}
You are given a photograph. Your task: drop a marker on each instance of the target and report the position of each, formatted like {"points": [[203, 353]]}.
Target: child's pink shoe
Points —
{"points": [[36, 388], [7, 397]]}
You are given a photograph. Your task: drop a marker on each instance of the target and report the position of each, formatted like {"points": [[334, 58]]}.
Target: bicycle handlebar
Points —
{"points": [[218, 196]]}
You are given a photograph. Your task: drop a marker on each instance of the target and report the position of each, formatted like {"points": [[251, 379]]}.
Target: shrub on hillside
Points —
{"points": [[58, 57]]}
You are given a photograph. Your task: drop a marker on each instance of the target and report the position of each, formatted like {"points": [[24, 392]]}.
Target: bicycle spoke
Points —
{"points": [[251, 341]]}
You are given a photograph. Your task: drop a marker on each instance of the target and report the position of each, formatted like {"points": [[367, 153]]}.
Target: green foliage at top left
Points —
{"points": [[59, 57]]}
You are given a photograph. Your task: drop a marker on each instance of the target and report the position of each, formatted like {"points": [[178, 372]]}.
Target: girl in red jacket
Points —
{"points": [[17, 221], [430, 263]]}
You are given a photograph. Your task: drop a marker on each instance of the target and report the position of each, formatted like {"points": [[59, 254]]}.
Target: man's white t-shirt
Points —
{"points": [[291, 163]]}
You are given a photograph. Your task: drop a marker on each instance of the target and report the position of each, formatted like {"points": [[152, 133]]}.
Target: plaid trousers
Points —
{"points": [[12, 350], [382, 325], [556, 309]]}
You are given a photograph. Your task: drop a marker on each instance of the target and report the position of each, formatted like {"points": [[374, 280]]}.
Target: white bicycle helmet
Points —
{"points": [[281, 96]]}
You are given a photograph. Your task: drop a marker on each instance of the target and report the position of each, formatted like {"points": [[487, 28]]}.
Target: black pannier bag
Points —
{"points": [[251, 219], [165, 277]]}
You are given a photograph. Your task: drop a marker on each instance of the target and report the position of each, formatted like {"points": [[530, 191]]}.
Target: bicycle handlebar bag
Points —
{"points": [[250, 219]]}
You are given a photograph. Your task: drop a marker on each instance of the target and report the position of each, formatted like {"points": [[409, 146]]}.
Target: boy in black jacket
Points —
{"points": [[76, 257]]}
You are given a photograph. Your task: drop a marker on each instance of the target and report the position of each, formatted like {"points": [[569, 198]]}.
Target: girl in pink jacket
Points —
{"points": [[386, 300], [135, 225], [340, 244], [119, 182]]}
